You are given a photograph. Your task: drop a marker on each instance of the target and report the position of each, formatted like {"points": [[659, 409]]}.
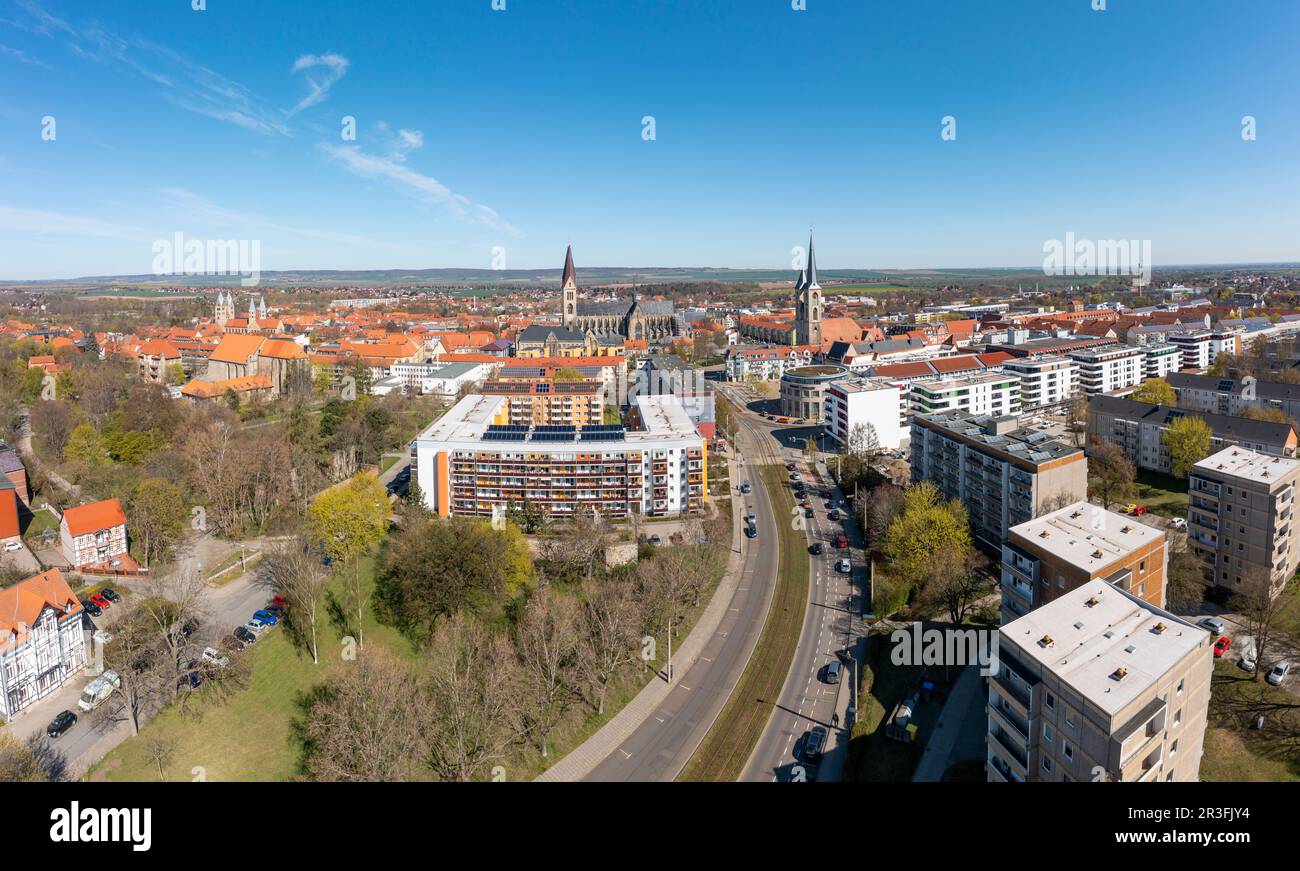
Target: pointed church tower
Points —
{"points": [[261, 309], [225, 309], [569, 290], [808, 302]]}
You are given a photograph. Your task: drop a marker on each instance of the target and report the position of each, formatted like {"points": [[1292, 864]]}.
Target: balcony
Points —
{"points": [[1003, 744]]}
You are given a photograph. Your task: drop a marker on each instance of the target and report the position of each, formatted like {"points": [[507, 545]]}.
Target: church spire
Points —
{"points": [[570, 274]]}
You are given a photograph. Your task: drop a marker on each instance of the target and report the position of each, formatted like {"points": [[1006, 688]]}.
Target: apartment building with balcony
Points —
{"points": [[473, 462], [1200, 348], [1234, 396], [546, 402], [1045, 382], [1162, 360], [1241, 519], [1002, 474], [875, 403], [42, 640], [1045, 558], [1098, 685], [1139, 428], [1110, 368], [994, 394]]}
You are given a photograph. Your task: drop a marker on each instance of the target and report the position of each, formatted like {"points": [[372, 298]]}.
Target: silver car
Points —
{"points": [[1279, 672]]}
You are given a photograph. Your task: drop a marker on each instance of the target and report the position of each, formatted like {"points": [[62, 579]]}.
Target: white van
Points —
{"points": [[99, 689]]}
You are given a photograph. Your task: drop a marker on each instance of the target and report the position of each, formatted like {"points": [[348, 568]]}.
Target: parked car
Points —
{"points": [[244, 635], [831, 673], [213, 656], [110, 594], [280, 600], [808, 513], [91, 608], [100, 601], [751, 518], [13, 545], [790, 467], [841, 541], [815, 548], [255, 627], [1213, 624], [276, 611], [98, 689], [844, 566], [832, 515], [264, 617], [1279, 673], [1221, 646], [62, 722], [656, 540], [1178, 523], [745, 488], [1249, 658], [191, 680]]}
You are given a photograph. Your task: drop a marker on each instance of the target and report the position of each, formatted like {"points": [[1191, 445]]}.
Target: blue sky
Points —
{"points": [[523, 129]]}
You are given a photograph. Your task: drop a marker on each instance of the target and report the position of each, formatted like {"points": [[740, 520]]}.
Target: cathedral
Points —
{"points": [[642, 320], [225, 312]]}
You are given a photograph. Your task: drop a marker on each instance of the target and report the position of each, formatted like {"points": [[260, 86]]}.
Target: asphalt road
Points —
{"points": [[661, 747]]}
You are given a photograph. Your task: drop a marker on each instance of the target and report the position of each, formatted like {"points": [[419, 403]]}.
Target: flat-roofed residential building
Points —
{"points": [[1162, 360], [1104, 370], [1241, 519], [1045, 382], [473, 462], [546, 402], [875, 403], [1044, 558], [995, 394], [438, 379], [1003, 475], [1139, 428], [1098, 685], [1200, 348]]}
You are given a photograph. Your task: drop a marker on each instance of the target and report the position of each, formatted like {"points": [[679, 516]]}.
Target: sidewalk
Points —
{"points": [[960, 730], [580, 761]]}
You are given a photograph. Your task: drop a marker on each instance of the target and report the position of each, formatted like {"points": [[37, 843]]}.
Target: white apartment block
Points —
{"points": [[1201, 348], [1044, 381], [473, 462], [42, 641], [1162, 360], [1114, 367], [875, 402], [1098, 685], [997, 395], [438, 379]]}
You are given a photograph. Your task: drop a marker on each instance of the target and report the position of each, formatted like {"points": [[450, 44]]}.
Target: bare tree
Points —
{"points": [[472, 699], [954, 583], [296, 572], [364, 723], [611, 619], [546, 639], [175, 606], [1110, 474], [1261, 612], [159, 749]]}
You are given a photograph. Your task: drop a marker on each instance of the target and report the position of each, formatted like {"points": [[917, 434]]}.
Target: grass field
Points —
{"points": [[1234, 749], [724, 751], [1162, 494], [247, 736]]}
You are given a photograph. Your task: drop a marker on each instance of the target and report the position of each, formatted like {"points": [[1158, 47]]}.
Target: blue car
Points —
{"points": [[264, 618]]}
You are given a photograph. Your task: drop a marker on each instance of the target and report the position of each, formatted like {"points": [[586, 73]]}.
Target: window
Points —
{"points": [[1067, 750], [1047, 732], [1047, 764], [1050, 701], [1142, 566], [1173, 747], [1180, 686], [1178, 717]]}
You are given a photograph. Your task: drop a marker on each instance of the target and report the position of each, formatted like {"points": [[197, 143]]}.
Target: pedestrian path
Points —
{"points": [[580, 761]]}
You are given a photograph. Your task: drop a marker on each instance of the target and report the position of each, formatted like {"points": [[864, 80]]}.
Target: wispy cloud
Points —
{"points": [[43, 222], [324, 71], [392, 167], [23, 57]]}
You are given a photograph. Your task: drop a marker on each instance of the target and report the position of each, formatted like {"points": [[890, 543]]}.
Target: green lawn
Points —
{"points": [[1162, 494], [1234, 750], [247, 736], [41, 521], [724, 751]]}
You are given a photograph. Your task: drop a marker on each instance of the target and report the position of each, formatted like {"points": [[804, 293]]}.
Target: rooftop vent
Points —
{"points": [[1130, 649], [1096, 554], [1075, 514], [1043, 534], [1119, 673], [1159, 628], [1078, 624], [1126, 529], [1046, 641]]}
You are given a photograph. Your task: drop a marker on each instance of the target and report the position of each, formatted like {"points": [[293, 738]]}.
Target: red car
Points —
{"points": [[280, 600], [1139, 510], [100, 601], [842, 541], [1221, 646], [790, 467]]}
